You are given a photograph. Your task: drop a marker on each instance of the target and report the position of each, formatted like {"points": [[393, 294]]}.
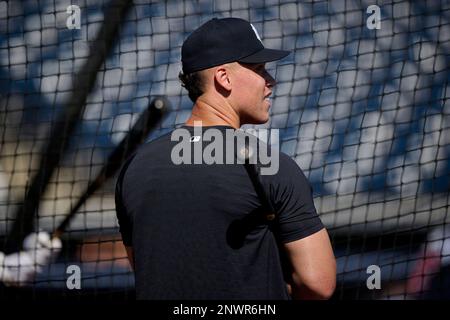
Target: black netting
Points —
{"points": [[364, 112]]}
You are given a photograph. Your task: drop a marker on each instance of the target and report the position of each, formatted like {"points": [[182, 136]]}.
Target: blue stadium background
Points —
{"points": [[364, 112]]}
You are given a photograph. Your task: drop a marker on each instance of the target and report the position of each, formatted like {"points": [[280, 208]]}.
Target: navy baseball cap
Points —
{"points": [[221, 41]]}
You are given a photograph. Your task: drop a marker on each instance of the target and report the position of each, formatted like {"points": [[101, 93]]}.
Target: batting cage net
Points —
{"points": [[361, 104]]}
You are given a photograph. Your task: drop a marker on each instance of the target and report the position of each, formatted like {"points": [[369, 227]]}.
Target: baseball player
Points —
{"points": [[197, 230]]}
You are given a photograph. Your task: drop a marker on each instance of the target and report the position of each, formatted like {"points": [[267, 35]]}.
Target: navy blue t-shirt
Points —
{"points": [[198, 230]]}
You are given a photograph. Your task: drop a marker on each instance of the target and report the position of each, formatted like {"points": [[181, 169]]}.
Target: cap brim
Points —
{"points": [[265, 55]]}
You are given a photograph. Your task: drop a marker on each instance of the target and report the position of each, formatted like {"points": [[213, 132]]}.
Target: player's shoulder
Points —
{"points": [[288, 161], [271, 159], [146, 152], [153, 148], [158, 141], [288, 169]]}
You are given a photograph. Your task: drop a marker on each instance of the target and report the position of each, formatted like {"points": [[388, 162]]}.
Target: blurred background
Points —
{"points": [[365, 112]]}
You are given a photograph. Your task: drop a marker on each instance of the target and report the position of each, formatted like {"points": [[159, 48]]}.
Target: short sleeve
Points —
{"points": [[123, 217], [291, 195]]}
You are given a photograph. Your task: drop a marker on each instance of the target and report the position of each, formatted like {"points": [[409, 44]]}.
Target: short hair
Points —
{"points": [[193, 83]]}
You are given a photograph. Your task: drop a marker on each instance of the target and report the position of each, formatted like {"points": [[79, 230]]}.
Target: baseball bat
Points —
{"points": [[147, 122], [248, 152], [66, 122]]}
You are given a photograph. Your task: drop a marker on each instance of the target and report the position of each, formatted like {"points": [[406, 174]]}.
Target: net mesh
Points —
{"points": [[365, 112]]}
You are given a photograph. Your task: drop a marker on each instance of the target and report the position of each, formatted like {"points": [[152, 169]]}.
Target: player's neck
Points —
{"points": [[213, 113]]}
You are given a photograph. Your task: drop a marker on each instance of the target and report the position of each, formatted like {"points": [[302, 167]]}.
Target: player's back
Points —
{"points": [[196, 228]]}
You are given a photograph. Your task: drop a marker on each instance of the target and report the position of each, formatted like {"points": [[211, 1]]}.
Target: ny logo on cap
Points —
{"points": [[256, 32]]}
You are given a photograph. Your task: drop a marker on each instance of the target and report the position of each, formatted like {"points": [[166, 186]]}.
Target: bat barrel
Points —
{"points": [[146, 122]]}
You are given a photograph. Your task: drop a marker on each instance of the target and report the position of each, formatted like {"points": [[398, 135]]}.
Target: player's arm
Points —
{"points": [[313, 266], [130, 255]]}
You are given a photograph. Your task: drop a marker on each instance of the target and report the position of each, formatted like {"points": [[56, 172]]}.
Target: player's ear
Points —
{"points": [[222, 77]]}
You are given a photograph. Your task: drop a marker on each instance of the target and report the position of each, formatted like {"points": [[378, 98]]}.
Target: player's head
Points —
{"points": [[226, 57]]}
